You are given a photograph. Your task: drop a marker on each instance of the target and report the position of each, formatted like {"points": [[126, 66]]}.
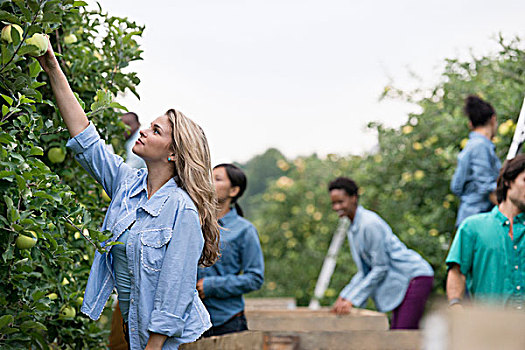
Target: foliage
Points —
{"points": [[406, 180], [58, 201]]}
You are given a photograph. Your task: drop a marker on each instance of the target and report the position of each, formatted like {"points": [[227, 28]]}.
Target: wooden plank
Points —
{"points": [[269, 303], [351, 340], [304, 319], [480, 328], [234, 341]]}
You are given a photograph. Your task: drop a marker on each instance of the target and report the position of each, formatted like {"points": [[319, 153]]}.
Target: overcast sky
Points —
{"points": [[303, 76]]}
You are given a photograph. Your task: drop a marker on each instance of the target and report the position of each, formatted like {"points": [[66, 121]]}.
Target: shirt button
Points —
{"points": [[130, 272], [129, 244], [516, 267], [132, 329], [515, 247], [507, 222], [518, 287], [158, 242], [132, 300]]}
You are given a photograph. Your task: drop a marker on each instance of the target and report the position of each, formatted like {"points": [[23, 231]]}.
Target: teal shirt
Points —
{"points": [[493, 263]]}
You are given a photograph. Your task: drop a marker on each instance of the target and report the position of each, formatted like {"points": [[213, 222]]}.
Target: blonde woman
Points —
{"points": [[165, 216]]}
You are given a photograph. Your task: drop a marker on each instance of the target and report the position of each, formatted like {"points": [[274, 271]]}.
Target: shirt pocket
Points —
{"points": [[153, 247]]}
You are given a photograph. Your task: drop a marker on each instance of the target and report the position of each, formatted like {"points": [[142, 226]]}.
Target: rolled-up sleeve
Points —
{"points": [[252, 276], [374, 239], [104, 166], [462, 249], [175, 291]]}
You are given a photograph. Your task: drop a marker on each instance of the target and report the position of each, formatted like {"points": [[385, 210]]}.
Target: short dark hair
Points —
{"points": [[478, 111], [134, 115], [508, 173], [346, 184]]}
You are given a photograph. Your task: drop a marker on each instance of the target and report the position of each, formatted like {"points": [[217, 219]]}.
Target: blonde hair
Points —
{"points": [[193, 168]]}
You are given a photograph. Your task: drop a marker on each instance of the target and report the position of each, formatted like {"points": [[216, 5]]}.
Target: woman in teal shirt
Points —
{"points": [[164, 215], [240, 268]]}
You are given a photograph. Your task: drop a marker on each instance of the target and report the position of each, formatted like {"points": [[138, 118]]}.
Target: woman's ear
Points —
{"points": [[234, 191]]}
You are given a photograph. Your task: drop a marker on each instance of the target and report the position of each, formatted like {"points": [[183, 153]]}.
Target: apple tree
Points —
{"points": [[51, 209]]}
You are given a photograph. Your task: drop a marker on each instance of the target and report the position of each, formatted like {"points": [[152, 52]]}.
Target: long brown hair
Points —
{"points": [[193, 168]]}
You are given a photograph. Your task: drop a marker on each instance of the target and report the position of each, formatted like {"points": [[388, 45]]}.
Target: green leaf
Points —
{"points": [[5, 110], [79, 3], [36, 151], [8, 99], [8, 17], [34, 69], [118, 106], [5, 320]]}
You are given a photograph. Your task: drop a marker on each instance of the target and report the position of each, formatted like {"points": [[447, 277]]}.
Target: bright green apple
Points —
{"points": [[40, 41], [52, 296], [6, 32], [26, 242], [70, 39], [56, 155], [67, 312]]}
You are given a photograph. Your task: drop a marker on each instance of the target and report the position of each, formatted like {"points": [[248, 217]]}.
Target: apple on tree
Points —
{"points": [[56, 155], [6, 32], [26, 242], [40, 41]]}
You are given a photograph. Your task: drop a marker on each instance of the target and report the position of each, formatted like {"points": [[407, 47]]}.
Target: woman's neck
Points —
{"points": [[485, 130], [224, 208], [158, 175]]}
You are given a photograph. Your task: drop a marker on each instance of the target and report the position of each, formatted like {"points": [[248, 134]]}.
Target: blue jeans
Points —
{"points": [[237, 323]]}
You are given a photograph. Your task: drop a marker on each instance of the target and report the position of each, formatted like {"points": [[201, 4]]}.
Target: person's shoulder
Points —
{"points": [[244, 223], [369, 217], [479, 222]]}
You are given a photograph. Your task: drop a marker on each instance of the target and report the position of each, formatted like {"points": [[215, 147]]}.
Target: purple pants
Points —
{"points": [[409, 312]]}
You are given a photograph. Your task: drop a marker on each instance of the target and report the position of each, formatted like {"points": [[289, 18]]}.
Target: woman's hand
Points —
{"points": [[342, 306], [48, 61], [200, 288]]}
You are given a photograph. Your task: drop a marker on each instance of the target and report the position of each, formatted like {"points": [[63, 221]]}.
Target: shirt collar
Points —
{"points": [[477, 135], [154, 205], [229, 217], [354, 226], [503, 219]]}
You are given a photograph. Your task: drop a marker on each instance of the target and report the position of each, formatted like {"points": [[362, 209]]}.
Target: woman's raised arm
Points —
{"points": [[73, 114]]}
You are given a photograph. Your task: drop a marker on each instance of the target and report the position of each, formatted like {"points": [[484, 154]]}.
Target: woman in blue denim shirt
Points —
{"points": [[474, 180], [164, 216], [240, 268]]}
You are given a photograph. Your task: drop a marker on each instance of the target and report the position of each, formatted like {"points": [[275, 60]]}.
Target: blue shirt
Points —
{"points": [[239, 270], [385, 265], [163, 249], [493, 263], [475, 176]]}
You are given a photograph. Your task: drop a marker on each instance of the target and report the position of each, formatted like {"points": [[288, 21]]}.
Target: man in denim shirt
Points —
{"points": [[396, 277], [474, 180]]}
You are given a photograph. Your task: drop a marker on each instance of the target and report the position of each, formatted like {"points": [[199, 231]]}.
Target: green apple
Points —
{"points": [[67, 312], [64, 281], [26, 242], [79, 301], [52, 296], [56, 155], [6, 32], [40, 41], [70, 39]]}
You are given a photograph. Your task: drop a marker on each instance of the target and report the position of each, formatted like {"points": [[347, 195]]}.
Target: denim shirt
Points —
{"points": [[239, 270], [475, 176], [385, 265], [163, 249]]}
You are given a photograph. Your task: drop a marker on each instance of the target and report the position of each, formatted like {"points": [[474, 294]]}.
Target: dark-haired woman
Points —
{"points": [[474, 180], [240, 269]]}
